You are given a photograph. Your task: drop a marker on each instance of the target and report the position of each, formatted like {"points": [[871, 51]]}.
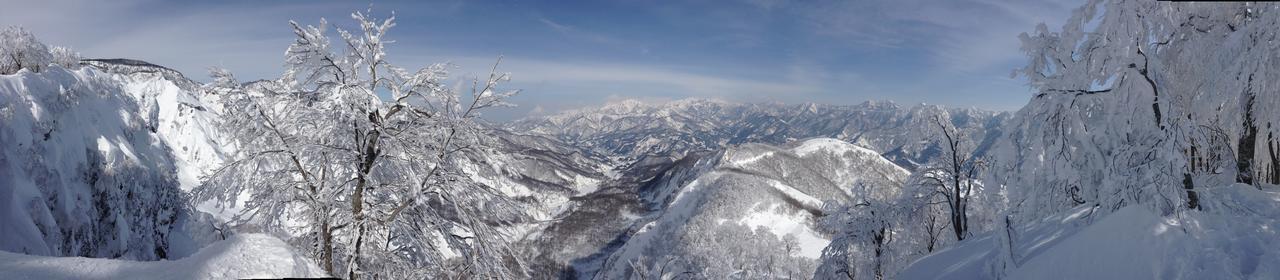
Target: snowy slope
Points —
{"points": [[541, 171], [182, 115], [748, 204], [239, 257], [1233, 239]]}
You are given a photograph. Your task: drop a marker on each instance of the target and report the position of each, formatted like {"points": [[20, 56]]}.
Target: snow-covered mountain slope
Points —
{"points": [[82, 172], [749, 204], [596, 223], [1235, 238], [541, 173], [239, 257], [634, 129], [181, 114]]}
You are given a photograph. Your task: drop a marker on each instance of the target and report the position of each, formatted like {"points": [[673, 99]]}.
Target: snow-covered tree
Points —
{"points": [[1004, 235], [864, 243], [875, 236], [374, 179], [65, 57], [19, 49], [953, 177], [1138, 101], [925, 213]]}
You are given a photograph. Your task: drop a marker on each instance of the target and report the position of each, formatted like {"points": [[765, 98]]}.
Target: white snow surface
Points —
{"points": [[1234, 237], [783, 224], [238, 257], [829, 145]]}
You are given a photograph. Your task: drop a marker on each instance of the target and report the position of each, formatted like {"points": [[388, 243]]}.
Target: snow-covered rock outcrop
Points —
{"points": [[82, 171], [181, 114]]}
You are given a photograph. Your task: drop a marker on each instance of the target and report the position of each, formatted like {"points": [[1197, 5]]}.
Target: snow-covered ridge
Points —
{"points": [[239, 257], [178, 111], [830, 145], [133, 66]]}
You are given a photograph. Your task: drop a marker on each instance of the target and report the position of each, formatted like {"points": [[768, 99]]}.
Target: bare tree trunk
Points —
{"points": [[1275, 159], [1193, 200], [326, 246], [931, 226], [1155, 91], [370, 156], [955, 165], [883, 236], [960, 219], [1248, 141], [1244, 157], [1194, 158]]}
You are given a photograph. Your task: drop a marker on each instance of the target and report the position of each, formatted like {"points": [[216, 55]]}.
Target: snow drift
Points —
{"points": [[1233, 239], [241, 256]]}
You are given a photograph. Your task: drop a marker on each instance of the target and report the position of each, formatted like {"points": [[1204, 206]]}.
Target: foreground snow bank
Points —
{"points": [[1233, 238], [241, 256]]}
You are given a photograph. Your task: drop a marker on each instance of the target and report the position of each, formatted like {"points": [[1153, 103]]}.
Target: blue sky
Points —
{"points": [[571, 54]]}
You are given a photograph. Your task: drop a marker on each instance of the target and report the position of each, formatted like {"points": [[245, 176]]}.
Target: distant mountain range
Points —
{"points": [[631, 129]]}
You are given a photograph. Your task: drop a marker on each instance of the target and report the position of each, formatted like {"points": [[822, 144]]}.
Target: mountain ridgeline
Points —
{"points": [[634, 129]]}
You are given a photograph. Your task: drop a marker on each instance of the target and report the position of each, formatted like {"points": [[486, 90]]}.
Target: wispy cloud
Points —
{"points": [[563, 29], [575, 33], [963, 35], [639, 79]]}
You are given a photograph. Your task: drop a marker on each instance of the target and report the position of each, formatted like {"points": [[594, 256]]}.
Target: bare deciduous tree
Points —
{"points": [[953, 177]]}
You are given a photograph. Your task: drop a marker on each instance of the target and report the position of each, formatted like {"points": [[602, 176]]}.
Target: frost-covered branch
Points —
{"points": [[358, 161]]}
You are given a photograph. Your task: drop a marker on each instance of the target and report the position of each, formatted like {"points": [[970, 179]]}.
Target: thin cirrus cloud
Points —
{"points": [[567, 55], [963, 35]]}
